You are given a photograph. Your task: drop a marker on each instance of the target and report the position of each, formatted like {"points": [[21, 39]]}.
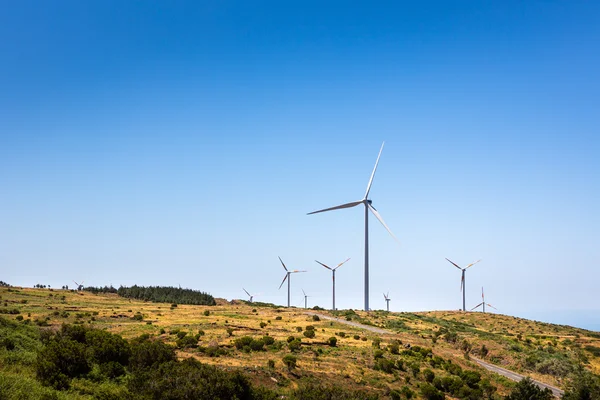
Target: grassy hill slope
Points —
{"points": [[420, 352]]}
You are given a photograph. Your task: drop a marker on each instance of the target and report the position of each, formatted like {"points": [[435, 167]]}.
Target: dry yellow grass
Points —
{"points": [[349, 363]]}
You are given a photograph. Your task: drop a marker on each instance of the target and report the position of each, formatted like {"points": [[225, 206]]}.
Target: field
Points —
{"points": [[418, 347]]}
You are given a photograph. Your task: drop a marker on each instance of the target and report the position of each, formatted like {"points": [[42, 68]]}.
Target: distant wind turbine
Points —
{"points": [[333, 277], [387, 300], [462, 279], [305, 297], [289, 278], [79, 285], [249, 295], [368, 206], [483, 303]]}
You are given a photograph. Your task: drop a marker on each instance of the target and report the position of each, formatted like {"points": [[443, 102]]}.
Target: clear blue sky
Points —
{"points": [[184, 142]]}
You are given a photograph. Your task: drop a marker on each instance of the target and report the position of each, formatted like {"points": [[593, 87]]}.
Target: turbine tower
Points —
{"points": [[368, 206], [288, 277], [305, 297], [249, 295], [333, 277], [387, 300], [483, 303], [462, 279]]}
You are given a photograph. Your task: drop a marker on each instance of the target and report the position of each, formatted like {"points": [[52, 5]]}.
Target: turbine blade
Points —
{"points": [[482, 298], [247, 292], [453, 263], [384, 296], [462, 282], [470, 265], [286, 275], [304, 293], [342, 263], [376, 214], [347, 205], [294, 271], [323, 265], [476, 306], [282, 263], [373, 173], [489, 305]]}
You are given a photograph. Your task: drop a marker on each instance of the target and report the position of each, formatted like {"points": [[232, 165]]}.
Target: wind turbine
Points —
{"points": [[368, 206], [483, 303], [251, 297], [462, 279], [305, 297], [387, 300], [79, 286], [333, 277], [288, 277]]}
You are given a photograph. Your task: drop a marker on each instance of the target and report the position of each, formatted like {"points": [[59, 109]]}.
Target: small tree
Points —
{"points": [[290, 361], [526, 389]]}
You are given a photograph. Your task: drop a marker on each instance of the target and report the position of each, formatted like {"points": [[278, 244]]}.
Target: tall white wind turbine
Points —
{"points": [[462, 279], [368, 206], [333, 276], [288, 277]]}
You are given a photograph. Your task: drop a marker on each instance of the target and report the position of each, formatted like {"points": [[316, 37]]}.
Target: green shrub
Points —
{"points": [[295, 345], [189, 379], [270, 364], [431, 393], [263, 324], [268, 340], [60, 360], [181, 334], [312, 391], [332, 341], [316, 318], [526, 389], [309, 334], [290, 361], [146, 354], [428, 375]]}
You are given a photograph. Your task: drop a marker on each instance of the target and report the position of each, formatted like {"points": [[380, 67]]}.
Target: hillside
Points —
{"points": [[431, 349]]}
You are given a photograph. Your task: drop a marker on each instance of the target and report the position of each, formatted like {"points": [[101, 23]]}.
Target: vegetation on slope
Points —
{"points": [[159, 294], [261, 351]]}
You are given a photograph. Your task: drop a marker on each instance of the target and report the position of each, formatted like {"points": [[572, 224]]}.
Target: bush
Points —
{"points": [[278, 318], [146, 354], [189, 379], [263, 324], [431, 393], [290, 361], [332, 341], [313, 391], [428, 375], [316, 318], [268, 340], [295, 345], [206, 313], [270, 364], [526, 389], [309, 334], [59, 361]]}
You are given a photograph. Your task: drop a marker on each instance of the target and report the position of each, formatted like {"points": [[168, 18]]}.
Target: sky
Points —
{"points": [[183, 143]]}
